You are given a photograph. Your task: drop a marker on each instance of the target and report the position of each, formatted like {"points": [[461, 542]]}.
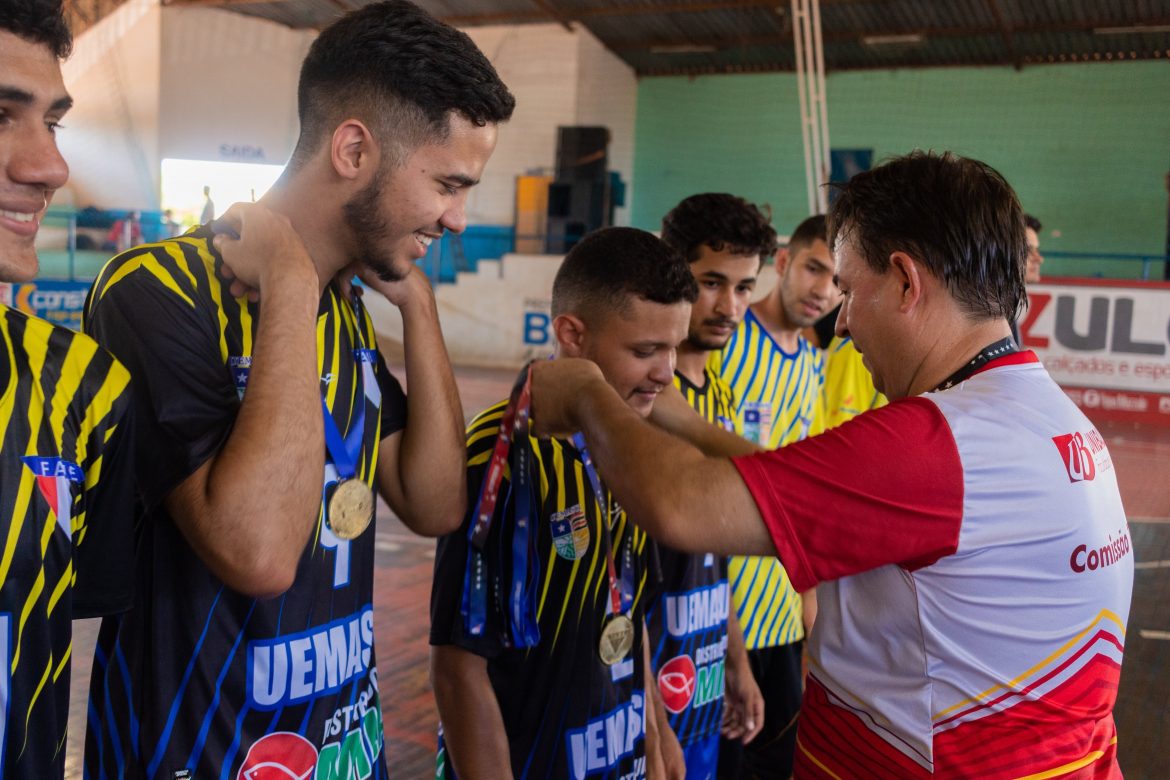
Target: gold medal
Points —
{"points": [[351, 508], [617, 639]]}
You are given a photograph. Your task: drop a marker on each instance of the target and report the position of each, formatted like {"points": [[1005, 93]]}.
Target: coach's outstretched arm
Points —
{"points": [[421, 469], [683, 498]]}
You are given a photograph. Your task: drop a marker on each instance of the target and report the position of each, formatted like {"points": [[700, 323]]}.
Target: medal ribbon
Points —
{"points": [[345, 452], [621, 596], [523, 629]]}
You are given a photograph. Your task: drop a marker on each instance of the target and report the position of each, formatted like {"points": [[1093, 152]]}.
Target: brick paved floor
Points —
{"points": [[402, 594]]}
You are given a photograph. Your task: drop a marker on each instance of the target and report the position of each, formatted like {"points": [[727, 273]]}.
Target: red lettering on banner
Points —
{"points": [[1037, 302]]}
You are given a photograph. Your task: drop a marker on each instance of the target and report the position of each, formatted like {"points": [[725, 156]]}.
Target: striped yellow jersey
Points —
{"points": [[849, 389], [67, 503], [560, 703], [779, 400]]}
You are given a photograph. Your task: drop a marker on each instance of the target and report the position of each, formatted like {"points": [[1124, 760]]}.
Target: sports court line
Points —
{"points": [[1150, 634], [1152, 565], [1154, 520]]}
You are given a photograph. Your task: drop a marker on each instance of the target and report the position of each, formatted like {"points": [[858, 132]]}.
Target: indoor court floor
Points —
{"points": [[402, 596]]}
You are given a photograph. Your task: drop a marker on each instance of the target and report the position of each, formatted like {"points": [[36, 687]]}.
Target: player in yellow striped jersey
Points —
{"points": [[269, 418], [552, 704], [724, 240], [849, 389], [66, 489], [777, 377]]}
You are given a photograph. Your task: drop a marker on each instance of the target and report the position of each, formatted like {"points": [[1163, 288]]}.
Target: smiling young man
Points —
{"points": [[531, 686], [777, 376], [269, 418], [697, 648], [974, 557], [66, 476]]}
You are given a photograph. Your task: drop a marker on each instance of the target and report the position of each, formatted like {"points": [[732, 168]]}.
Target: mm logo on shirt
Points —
{"points": [[298, 667], [1079, 452], [606, 740]]}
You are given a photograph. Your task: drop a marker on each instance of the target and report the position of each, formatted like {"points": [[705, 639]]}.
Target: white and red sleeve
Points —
{"points": [[884, 488]]}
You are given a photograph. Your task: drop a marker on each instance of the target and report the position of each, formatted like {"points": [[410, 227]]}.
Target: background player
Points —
{"points": [[724, 240], [621, 299], [975, 596], [266, 427], [66, 489], [777, 377]]}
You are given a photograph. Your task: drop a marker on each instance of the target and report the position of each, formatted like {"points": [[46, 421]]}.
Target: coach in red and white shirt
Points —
{"points": [[973, 555]]}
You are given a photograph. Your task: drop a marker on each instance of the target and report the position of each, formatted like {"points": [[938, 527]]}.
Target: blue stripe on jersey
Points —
{"points": [[94, 722], [745, 619], [115, 741], [201, 738], [230, 757], [120, 658], [160, 748]]}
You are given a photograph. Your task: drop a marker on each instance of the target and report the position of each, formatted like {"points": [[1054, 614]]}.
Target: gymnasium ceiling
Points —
{"points": [[659, 37]]}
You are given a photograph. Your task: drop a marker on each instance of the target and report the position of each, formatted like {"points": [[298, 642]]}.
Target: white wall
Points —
{"points": [[484, 315], [207, 84], [111, 135], [559, 78], [607, 94], [539, 65], [229, 86]]}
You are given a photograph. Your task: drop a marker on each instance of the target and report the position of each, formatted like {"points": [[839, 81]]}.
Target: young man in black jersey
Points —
{"points": [[695, 639], [524, 675], [66, 489], [269, 418]]}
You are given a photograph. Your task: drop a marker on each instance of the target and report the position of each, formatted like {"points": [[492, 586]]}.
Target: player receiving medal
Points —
{"points": [[538, 600]]}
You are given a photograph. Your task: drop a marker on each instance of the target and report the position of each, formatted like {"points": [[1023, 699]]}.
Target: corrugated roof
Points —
{"points": [[714, 36]]}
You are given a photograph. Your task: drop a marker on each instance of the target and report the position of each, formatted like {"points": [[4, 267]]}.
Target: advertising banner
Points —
{"points": [[61, 303], [1106, 342]]}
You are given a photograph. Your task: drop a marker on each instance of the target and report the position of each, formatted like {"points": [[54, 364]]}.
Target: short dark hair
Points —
{"points": [[956, 216], [1032, 222], [608, 266], [720, 221], [402, 72], [813, 229], [39, 21]]}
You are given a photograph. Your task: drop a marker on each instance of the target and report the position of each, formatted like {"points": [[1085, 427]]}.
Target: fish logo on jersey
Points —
{"points": [[570, 532], [279, 756], [676, 683], [55, 477]]}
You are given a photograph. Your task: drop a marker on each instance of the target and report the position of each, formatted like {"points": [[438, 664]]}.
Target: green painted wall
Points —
{"points": [[1086, 146]]}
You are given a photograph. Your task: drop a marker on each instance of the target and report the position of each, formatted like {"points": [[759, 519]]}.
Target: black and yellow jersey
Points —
{"points": [[714, 401], [778, 396], [565, 712], [687, 613], [197, 677], [849, 389], [67, 507]]}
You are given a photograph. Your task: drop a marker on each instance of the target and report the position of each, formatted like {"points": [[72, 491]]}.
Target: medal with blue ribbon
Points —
{"points": [[351, 505], [617, 633], [514, 448]]}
